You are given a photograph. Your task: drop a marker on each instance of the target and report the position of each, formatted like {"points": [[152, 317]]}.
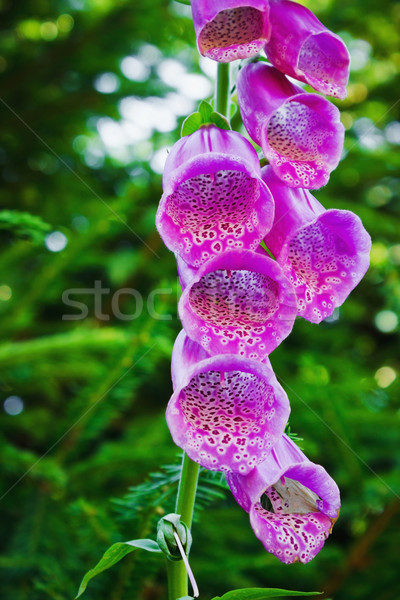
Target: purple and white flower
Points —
{"points": [[302, 47], [226, 412], [230, 29], [300, 134], [238, 303], [214, 198], [292, 502], [324, 253]]}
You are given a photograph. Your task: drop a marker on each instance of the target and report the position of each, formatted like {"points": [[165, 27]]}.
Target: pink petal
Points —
{"points": [[302, 47], [324, 253], [304, 502]]}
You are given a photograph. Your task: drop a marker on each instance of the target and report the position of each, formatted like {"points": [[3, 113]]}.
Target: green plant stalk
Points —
{"points": [[222, 94], [177, 576]]}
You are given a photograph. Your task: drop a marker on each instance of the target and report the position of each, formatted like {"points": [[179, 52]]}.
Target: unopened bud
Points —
{"points": [[166, 528]]}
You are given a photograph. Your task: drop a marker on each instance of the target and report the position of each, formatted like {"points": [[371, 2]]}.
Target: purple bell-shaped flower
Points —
{"points": [[226, 412], [238, 303], [214, 198], [302, 47], [230, 29], [292, 502], [324, 253], [300, 134]]}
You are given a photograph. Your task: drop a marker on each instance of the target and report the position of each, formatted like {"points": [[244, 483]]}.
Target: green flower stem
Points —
{"points": [[177, 576], [222, 89], [187, 490]]}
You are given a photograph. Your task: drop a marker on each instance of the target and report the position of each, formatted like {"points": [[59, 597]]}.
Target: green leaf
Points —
{"points": [[187, 2], [205, 110], [113, 555], [261, 594], [220, 121], [191, 124]]}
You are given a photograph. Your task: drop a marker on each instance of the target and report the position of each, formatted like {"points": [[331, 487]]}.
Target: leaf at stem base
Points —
{"points": [[113, 555]]}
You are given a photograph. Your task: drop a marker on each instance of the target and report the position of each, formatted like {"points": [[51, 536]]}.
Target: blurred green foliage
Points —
{"points": [[93, 94]]}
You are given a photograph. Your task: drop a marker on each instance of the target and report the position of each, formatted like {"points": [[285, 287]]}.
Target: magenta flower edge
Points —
{"points": [[214, 198]]}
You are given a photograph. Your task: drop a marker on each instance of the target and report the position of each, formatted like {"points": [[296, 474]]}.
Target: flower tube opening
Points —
{"points": [[300, 134], [214, 198], [224, 197], [288, 518], [325, 261], [240, 303], [254, 298], [323, 253], [228, 30], [301, 141], [227, 412]]}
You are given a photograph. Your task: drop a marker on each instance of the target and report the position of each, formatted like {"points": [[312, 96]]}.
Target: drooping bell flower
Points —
{"points": [[226, 412], [292, 502], [239, 303], [214, 198], [324, 253], [302, 47], [230, 29], [300, 134]]}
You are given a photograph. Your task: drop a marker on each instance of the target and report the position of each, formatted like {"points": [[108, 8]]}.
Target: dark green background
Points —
{"points": [[95, 390]]}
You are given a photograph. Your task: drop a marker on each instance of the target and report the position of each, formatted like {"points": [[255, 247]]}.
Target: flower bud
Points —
{"points": [[166, 528]]}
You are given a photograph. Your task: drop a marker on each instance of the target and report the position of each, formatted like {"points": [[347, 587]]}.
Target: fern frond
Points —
{"points": [[159, 491]]}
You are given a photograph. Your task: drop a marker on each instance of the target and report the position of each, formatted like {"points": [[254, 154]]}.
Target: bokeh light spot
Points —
{"points": [[134, 69], [386, 321], [55, 241], [13, 405], [385, 376], [106, 83], [5, 293]]}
